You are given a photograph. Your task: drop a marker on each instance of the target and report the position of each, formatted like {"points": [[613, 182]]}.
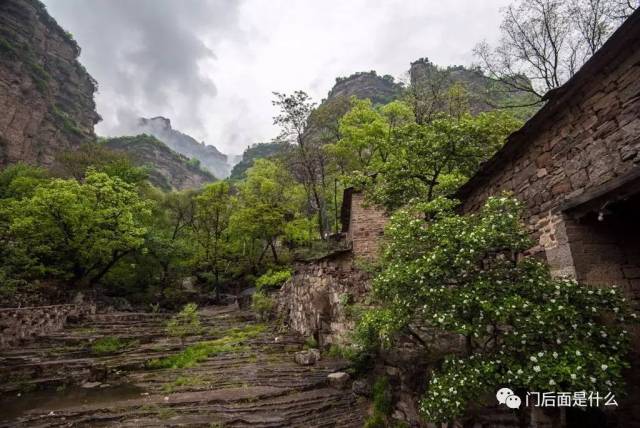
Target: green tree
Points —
{"points": [[76, 231], [96, 157], [411, 160], [269, 201], [466, 275], [213, 209], [309, 163]]}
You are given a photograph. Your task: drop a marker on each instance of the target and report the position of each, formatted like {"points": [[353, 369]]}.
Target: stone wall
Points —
{"points": [[576, 168], [593, 139], [314, 301], [46, 95], [19, 324], [366, 227]]}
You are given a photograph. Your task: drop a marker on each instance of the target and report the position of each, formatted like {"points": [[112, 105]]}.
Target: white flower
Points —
{"points": [[604, 367], [536, 369], [592, 379], [533, 358], [573, 376], [540, 354], [555, 354], [578, 353], [552, 382]]}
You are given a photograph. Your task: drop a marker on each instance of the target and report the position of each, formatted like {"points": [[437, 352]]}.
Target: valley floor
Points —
{"points": [[249, 378]]}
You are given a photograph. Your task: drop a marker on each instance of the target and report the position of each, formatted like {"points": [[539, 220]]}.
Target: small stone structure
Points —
{"points": [[314, 301], [19, 324], [576, 167]]}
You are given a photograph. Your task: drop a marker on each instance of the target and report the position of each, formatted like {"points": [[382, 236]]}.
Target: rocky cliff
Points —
{"points": [[210, 158], [167, 169], [379, 89], [46, 95]]}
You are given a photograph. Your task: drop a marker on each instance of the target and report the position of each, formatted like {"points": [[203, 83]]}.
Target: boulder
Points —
{"points": [[307, 358], [338, 380], [361, 387]]}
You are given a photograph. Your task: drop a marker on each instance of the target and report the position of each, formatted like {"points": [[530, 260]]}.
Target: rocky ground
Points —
{"points": [[248, 377]]}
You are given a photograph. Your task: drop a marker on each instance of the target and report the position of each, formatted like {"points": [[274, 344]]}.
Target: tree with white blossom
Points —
{"points": [[467, 275]]}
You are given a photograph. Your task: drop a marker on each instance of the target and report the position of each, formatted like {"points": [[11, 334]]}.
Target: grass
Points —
{"points": [[109, 345], [183, 381], [198, 352]]}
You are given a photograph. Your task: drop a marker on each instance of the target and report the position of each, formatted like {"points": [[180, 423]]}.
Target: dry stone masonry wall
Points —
{"points": [[19, 324]]}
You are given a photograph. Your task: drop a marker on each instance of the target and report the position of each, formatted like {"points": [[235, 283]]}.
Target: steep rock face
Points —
{"points": [[167, 169], [46, 95], [379, 89], [210, 158]]}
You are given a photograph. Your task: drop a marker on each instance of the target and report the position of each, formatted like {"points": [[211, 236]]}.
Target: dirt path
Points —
{"points": [[251, 380]]}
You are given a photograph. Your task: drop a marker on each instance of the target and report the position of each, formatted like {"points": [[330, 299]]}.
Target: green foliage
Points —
{"points": [[98, 157], [254, 152], [20, 180], [269, 202], [382, 399], [74, 231], [382, 404], [211, 230], [185, 323], [376, 421], [273, 279], [194, 354], [262, 304], [108, 345], [462, 274], [310, 343], [63, 118], [412, 160]]}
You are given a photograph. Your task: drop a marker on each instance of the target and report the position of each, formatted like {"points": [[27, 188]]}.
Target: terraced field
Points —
{"points": [[247, 378]]}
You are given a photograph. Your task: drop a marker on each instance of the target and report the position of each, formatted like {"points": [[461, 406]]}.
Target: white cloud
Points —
{"points": [[211, 65]]}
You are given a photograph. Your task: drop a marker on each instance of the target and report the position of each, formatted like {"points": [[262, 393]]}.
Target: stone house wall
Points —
{"points": [[19, 324], [314, 300], [576, 168], [366, 227], [591, 141]]}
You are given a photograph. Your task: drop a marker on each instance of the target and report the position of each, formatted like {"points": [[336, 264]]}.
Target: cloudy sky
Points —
{"points": [[211, 65]]}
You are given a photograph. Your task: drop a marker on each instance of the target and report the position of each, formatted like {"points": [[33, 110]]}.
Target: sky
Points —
{"points": [[211, 65]]}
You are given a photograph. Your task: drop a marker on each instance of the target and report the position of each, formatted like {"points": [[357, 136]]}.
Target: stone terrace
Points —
{"points": [[257, 384]]}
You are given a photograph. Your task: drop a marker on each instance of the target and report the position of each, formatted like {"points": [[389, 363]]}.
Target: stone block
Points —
{"points": [[338, 380], [307, 358]]}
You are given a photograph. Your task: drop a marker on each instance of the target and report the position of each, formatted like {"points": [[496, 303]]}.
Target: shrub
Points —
{"points": [[310, 343], [185, 323], [273, 279], [108, 345], [382, 396], [262, 305]]}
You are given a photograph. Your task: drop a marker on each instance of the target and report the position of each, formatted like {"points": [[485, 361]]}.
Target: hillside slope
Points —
{"points": [[168, 170], [210, 158]]}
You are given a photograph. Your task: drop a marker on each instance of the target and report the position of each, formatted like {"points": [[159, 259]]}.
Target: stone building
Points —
{"points": [[576, 167], [314, 302]]}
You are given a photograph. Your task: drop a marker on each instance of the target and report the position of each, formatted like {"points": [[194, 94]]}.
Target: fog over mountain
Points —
{"points": [[211, 65]]}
